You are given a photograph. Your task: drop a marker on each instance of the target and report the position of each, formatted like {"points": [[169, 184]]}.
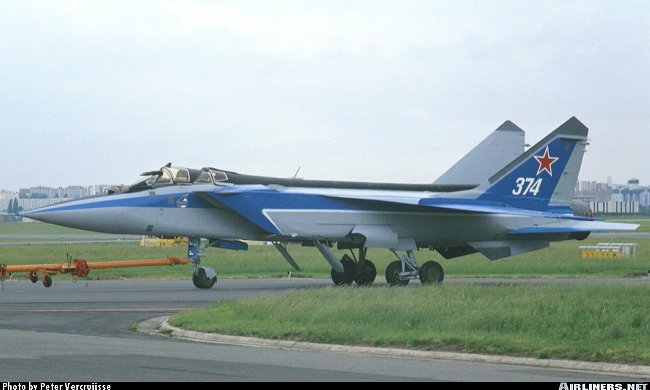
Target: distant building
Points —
{"points": [[4, 194], [592, 191], [633, 192], [608, 198], [76, 191], [41, 192], [615, 207]]}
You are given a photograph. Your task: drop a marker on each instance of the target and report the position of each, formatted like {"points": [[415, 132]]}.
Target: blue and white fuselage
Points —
{"points": [[520, 208]]}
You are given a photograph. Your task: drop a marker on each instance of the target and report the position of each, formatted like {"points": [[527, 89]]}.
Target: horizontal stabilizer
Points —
{"points": [[571, 226], [477, 208]]}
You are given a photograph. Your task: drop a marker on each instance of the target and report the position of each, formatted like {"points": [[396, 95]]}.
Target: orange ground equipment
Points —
{"points": [[81, 268]]}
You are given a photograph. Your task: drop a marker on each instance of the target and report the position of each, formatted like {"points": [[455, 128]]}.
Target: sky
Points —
{"points": [[97, 92]]}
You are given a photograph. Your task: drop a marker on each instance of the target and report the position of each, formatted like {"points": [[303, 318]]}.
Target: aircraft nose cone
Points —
{"points": [[26, 214], [99, 214], [76, 214], [46, 214]]}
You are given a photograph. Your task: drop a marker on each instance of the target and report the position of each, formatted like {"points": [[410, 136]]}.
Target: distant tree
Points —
{"points": [[13, 207]]}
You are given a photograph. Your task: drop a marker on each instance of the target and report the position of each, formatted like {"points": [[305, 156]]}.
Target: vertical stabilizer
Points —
{"points": [[545, 175], [498, 149]]}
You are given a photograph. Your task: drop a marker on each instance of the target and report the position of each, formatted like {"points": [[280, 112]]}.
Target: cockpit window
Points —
{"points": [[204, 177], [209, 175], [165, 178], [169, 175], [150, 180], [180, 175], [219, 176], [142, 184]]}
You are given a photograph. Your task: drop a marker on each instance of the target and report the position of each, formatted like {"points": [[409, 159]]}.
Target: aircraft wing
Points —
{"points": [[444, 204], [252, 201]]}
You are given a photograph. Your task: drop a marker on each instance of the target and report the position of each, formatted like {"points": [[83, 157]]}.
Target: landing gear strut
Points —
{"points": [[400, 272], [204, 277], [361, 271]]}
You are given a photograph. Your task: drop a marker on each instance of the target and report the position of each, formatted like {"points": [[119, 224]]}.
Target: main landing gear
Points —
{"points": [[363, 272], [204, 277], [398, 273]]}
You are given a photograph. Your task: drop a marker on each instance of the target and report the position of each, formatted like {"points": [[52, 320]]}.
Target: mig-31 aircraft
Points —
{"points": [[521, 202]]}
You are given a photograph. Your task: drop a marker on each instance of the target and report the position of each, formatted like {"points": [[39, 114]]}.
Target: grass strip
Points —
{"points": [[584, 322]]}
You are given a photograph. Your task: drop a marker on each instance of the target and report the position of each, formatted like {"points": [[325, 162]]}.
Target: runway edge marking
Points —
{"points": [[160, 325]]}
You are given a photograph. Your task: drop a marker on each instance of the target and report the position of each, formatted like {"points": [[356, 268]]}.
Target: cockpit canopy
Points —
{"points": [[211, 175], [170, 175]]}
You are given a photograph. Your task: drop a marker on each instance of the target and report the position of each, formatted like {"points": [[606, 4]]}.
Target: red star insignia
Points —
{"points": [[545, 162]]}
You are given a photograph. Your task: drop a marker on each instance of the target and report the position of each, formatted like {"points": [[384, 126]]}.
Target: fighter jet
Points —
{"points": [[519, 206]]}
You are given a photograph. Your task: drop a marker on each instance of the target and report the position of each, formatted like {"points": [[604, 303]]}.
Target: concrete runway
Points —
{"points": [[83, 332]]}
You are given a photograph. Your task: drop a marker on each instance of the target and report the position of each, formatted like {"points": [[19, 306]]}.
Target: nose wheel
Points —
{"points": [[202, 279]]}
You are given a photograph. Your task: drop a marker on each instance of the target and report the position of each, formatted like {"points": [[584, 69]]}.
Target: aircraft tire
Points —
{"points": [[347, 276], [47, 281], [33, 277], [431, 272], [392, 274], [201, 280], [367, 273]]}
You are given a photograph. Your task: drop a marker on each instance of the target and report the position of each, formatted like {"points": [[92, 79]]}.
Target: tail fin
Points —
{"points": [[499, 148], [545, 175]]}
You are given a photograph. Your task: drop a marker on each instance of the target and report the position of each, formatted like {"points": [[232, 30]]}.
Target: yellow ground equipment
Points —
{"points": [[150, 241], [608, 250], [81, 268]]}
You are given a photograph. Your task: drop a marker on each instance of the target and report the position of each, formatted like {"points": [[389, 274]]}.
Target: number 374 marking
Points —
{"points": [[527, 185]]}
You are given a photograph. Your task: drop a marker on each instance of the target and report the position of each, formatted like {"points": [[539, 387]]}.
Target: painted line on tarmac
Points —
{"points": [[104, 310], [159, 325]]}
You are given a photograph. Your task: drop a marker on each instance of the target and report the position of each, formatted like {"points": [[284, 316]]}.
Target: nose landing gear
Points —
{"points": [[204, 277]]}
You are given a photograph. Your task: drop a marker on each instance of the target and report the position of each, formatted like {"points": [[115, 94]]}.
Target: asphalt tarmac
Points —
{"points": [[84, 332]]}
